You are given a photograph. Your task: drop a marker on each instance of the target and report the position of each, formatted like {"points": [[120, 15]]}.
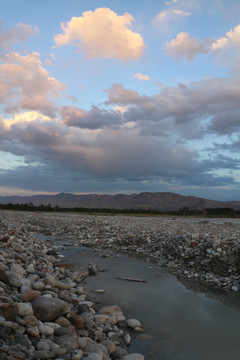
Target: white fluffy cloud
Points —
{"points": [[25, 84], [102, 33]]}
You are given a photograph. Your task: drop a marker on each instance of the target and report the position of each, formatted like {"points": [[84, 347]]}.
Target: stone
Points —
{"points": [[94, 356], [30, 269], [133, 323], [3, 276], [38, 285], [119, 353], [82, 342], [110, 345], [47, 309], [110, 310], [9, 311], [43, 346], [77, 321], [29, 295], [127, 339], [62, 285], [31, 320], [62, 321], [25, 309], [46, 330], [95, 348], [70, 342], [102, 319], [17, 247], [49, 280], [33, 331], [18, 269], [133, 356], [15, 280], [77, 354], [62, 331], [41, 354]]}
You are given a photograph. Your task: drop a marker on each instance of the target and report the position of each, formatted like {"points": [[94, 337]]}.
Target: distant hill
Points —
{"points": [[163, 201]]}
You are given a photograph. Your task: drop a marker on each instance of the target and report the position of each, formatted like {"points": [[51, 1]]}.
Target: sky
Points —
{"points": [[120, 97]]}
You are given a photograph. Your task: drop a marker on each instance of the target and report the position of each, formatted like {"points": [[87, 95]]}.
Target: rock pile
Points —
{"points": [[196, 249], [44, 313]]}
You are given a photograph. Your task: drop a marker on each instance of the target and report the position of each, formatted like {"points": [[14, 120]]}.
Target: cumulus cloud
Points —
{"points": [[20, 32], [186, 46], [139, 76], [26, 85], [232, 39], [102, 33]]}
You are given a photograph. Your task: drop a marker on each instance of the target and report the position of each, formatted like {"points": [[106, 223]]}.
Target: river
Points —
{"points": [[182, 320]]}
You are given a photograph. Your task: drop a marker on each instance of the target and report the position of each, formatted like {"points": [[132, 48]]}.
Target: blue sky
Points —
{"points": [[120, 97]]}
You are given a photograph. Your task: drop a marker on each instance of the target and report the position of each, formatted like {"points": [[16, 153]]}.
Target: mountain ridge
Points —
{"points": [[163, 201]]}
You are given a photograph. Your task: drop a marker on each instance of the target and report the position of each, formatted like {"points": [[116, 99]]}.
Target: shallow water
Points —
{"points": [[185, 320]]}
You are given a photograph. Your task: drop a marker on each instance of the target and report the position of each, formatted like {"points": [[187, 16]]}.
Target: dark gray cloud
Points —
{"points": [[210, 98], [94, 119]]}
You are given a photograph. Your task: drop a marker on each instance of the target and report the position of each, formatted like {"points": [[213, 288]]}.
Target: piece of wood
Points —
{"points": [[131, 279]]}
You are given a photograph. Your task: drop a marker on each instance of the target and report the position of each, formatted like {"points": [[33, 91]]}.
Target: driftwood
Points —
{"points": [[131, 279]]}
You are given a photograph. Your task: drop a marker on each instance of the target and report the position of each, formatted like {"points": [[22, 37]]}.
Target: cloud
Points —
{"points": [[170, 15], [200, 101], [186, 46], [94, 119], [139, 76], [19, 33], [166, 18], [117, 94], [232, 39], [102, 33], [26, 85]]}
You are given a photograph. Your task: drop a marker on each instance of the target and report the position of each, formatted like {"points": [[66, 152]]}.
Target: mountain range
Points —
{"points": [[163, 201]]}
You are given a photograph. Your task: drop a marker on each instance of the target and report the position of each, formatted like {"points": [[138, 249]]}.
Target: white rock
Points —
{"points": [[133, 323], [25, 309], [30, 269]]}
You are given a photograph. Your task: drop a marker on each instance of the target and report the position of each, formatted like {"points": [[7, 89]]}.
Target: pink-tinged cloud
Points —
{"points": [[186, 46], [26, 85], [139, 76], [19, 33], [232, 39], [102, 33]]}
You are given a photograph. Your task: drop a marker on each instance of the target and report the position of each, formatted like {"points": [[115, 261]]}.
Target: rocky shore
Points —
{"points": [[44, 311]]}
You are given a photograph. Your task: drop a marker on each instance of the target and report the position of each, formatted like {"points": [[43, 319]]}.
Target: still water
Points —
{"points": [[183, 321]]}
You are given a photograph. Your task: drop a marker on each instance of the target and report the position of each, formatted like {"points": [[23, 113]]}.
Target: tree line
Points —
{"points": [[185, 211]]}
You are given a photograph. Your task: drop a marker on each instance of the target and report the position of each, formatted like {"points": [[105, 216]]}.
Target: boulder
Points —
{"points": [[48, 309]]}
